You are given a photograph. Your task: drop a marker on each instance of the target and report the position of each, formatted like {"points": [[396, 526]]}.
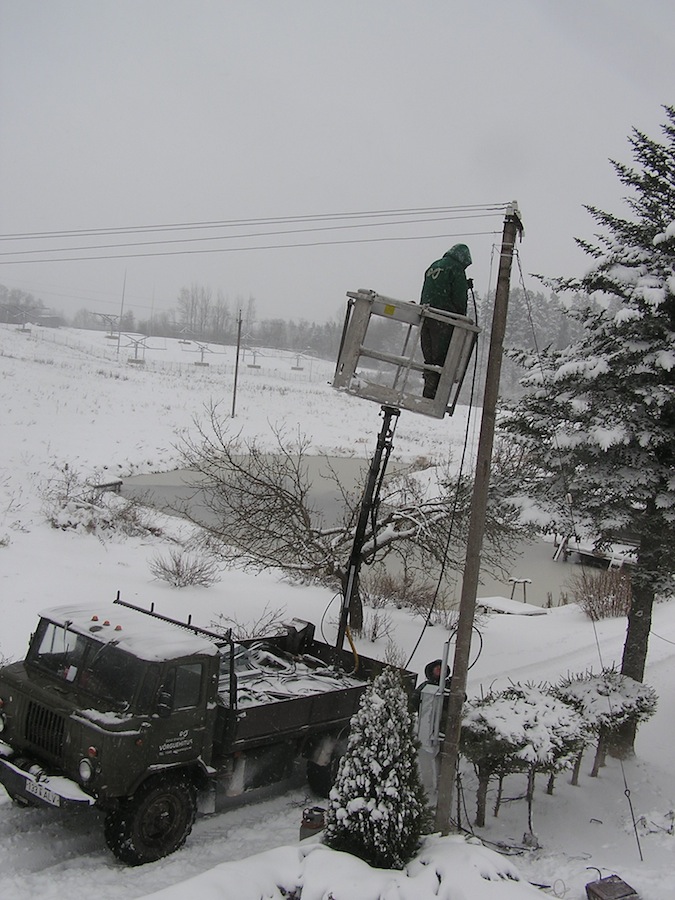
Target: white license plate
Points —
{"points": [[39, 790]]}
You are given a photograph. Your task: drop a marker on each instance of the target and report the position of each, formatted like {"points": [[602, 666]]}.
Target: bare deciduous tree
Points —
{"points": [[256, 511]]}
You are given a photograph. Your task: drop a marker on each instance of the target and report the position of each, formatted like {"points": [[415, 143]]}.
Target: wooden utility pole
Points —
{"points": [[119, 326], [467, 604], [236, 366]]}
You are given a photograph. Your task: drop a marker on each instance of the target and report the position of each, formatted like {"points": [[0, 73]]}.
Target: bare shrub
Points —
{"points": [[406, 590], [603, 595], [394, 655], [269, 623], [447, 616], [69, 502], [420, 463], [376, 624], [183, 569], [11, 503], [375, 589], [131, 517], [563, 600], [73, 503]]}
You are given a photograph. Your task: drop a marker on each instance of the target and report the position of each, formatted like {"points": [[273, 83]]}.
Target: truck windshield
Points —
{"points": [[100, 669]]}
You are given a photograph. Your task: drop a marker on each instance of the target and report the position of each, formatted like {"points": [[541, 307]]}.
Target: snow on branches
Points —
{"points": [[597, 421], [606, 702], [539, 728], [524, 728], [377, 808]]}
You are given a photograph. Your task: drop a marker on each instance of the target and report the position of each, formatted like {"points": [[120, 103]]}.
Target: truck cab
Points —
{"points": [[99, 700]]}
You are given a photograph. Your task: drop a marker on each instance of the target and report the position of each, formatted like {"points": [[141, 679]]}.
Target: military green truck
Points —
{"points": [[150, 719]]}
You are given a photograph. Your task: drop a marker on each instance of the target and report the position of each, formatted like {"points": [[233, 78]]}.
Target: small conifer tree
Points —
{"points": [[524, 728], [377, 808], [606, 701]]}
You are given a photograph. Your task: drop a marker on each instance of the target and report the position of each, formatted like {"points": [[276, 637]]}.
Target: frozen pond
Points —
{"points": [[533, 562]]}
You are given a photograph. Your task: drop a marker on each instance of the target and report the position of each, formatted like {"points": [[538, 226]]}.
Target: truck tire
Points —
{"points": [[320, 778], [153, 823]]}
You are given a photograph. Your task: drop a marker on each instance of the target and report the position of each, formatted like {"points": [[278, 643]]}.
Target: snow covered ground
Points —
{"points": [[72, 398]]}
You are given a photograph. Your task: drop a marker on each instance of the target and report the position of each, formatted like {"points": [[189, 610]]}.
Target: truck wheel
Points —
{"points": [[153, 823], [320, 778]]}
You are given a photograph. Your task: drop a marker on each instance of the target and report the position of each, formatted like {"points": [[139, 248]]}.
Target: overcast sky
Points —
{"points": [[119, 114]]}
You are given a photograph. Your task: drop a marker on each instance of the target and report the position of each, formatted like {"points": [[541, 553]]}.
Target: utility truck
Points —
{"points": [[149, 718]]}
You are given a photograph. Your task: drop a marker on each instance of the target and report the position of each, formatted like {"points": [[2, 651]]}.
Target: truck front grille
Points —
{"points": [[45, 729]]}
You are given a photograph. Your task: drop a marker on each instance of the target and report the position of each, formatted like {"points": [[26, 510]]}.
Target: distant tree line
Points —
{"points": [[201, 316], [20, 308], [535, 321]]}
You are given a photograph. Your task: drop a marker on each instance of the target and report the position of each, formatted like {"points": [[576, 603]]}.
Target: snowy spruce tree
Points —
{"points": [[377, 807], [598, 418]]}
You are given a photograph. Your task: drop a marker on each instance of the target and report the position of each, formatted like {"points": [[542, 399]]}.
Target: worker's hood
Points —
{"points": [[461, 253]]}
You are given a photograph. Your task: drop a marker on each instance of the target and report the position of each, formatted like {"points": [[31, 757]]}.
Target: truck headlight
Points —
{"points": [[86, 770]]}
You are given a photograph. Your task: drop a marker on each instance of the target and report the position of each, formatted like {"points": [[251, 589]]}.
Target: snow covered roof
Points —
{"points": [[143, 636]]}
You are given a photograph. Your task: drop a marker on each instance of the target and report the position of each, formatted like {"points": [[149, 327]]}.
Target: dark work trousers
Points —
{"points": [[434, 340]]}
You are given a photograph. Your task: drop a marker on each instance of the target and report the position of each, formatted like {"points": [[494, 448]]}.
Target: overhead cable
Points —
{"points": [[420, 237], [494, 209], [224, 237]]}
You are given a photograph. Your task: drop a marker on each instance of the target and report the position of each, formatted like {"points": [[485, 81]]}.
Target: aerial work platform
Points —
{"points": [[380, 357]]}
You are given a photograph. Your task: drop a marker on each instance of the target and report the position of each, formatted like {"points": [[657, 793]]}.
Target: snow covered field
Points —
{"points": [[71, 398]]}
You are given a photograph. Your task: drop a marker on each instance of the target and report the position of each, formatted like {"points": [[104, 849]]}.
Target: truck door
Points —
{"points": [[181, 709]]}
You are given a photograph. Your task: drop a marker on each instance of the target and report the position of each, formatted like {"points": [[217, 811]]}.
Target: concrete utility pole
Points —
{"points": [[467, 604]]}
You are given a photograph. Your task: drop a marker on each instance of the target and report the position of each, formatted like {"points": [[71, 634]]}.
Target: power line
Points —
{"points": [[230, 237], [494, 209], [427, 237]]}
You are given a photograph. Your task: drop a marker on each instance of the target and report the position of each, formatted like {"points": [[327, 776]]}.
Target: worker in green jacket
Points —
{"points": [[445, 287]]}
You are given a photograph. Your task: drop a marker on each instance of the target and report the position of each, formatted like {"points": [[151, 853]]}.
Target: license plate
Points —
{"points": [[39, 790]]}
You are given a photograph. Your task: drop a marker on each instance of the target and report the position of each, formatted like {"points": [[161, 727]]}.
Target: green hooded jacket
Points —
{"points": [[445, 285]]}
